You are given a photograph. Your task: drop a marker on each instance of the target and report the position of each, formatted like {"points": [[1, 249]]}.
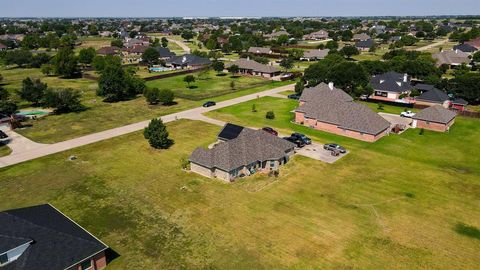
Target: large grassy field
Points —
{"points": [[207, 85], [405, 202]]}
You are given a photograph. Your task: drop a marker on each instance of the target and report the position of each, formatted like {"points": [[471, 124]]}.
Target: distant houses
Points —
{"points": [[188, 61], [452, 58], [318, 35], [327, 108], [259, 50], [251, 67], [313, 55], [361, 37], [365, 45]]}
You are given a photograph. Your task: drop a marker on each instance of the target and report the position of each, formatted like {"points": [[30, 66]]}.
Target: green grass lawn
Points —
{"points": [[4, 150], [404, 202], [207, 85]]}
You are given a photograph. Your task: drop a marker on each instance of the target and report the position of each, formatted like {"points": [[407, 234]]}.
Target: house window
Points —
{"points": [[428, 122], [3, 258], [86, 265], [272, 164]]}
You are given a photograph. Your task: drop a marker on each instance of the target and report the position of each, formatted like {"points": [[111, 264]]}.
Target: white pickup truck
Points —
{"points": [[408, 114]]}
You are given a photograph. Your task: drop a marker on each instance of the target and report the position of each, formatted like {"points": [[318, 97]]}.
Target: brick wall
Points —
{"points": [[434, 126]]}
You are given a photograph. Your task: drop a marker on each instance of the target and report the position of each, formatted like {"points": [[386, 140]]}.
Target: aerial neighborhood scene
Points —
{"points": [[239, 134]]}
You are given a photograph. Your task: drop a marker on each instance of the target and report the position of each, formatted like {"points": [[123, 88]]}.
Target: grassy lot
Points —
{"points": [[4, 150], [372, 56], [95, 42], [400, 203], [207, 85]]}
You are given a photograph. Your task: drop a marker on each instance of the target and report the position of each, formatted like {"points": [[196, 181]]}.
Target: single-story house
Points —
{"points": [[466, 48], [330, 109], [361, 37], [43, 238], [252, 67], [436, 118], [229, 132], [247, 152], [364, 45], [164, 53], [458, 104], [313, 55], [390, 86], [451, 58], [109, 50], [276, 34], [188, 61], [260, 50], [432, 97], [136, 50], [318, 35]]}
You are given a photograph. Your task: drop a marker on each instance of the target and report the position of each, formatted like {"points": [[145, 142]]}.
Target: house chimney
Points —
{"points": [[456, 50], [405, 77], [248, 58], [330, 85]]}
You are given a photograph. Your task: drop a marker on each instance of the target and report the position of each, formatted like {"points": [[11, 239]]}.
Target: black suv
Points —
{"points": [[3, 136], [299, 136], [334, 146], [209, 104], [296, 141]]}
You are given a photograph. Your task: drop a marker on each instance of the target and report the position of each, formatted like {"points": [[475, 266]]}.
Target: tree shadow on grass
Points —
{"points": [[221, 74], [467, 230], [235, 76], [192, 87]]}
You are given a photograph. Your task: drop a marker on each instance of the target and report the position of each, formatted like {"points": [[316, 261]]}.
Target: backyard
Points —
{"points": [[399, 203]]}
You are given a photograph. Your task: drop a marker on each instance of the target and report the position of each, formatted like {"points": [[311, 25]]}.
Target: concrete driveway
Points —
{"points": [[317, 152], [395, 119]]}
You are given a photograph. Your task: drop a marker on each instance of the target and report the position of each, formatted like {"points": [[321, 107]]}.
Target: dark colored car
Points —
{"points": [[294, 96], [296, 141], [301, 137], [334, 146], [270, 130], [209, 104], [3, 136]]}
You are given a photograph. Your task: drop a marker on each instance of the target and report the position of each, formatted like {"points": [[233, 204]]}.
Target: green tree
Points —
{"points": [[299, 87], [164, 42], [18, 57], [63, 100], [112, 83], [234, 69], [232, 84], [189, 79], [218, 66], [349, 51], [270, 115], [86, 55], [7, 107], [151, 56], [66, 63], [295, 54], [33, 90], [332, 45], [187, 35], [117, 43], [211, 44], [287, 63], [166, 96], [151, 95], [467, 86], [476, 57], [157, 135], [46, 69]]}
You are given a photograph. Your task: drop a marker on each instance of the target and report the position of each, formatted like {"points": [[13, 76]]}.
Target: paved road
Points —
{"points": [[180, 43], [194, 114], [433, 45]]}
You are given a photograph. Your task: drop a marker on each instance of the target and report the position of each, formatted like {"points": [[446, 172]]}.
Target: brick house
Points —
{"points": [[259, 50], [313, 55], [241, 152], [251, 67], [330, 109], [318, 35], [391, 86], [42, 238], [432, 97], [436, 118]]}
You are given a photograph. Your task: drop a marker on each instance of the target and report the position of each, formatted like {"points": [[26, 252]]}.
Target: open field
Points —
{"points": [[207, 84], [95, 42], [400, 203]]}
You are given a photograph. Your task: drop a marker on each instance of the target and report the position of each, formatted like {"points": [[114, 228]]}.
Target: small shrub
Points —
{"points": [[152, 95], [421, 131], [467, 230], [380, 106], [410, 195], [157, 135], [254, 108], [270, 115], [184, 163], [232, 85]]}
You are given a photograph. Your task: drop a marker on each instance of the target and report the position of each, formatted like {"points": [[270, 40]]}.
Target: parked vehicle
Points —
{"points": [[296, 141], [294, 96], [270, 130], [301, 137], [3, 137], [334, 146], [407, 114], [209, 104]]}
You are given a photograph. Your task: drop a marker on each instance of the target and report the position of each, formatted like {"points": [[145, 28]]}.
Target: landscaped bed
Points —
{"points": [[401, 203]]}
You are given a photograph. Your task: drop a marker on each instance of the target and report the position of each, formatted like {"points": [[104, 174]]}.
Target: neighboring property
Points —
{"points": [[330, 109], [242, 152], [391, 86], [361, 37], [313, 55], [260, 50], [436, 118], [3, 47], [42, 238], [365, 45], [319, 35], [451, 58], [109, 50], [458, 104], [164, 53], [432, 97], [252, 67], [188, 61], [466, 48], [474, 43], [276, 35]]}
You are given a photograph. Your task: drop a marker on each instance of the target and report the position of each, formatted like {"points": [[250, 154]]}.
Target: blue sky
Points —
{"points": [[180, 8]]}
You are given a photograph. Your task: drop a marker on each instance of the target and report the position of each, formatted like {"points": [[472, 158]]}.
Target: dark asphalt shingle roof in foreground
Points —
{"points": [[437, 114], [433, 95], [336, 107], [391, 82], [57, 242], [248, 147], [190, 60]]}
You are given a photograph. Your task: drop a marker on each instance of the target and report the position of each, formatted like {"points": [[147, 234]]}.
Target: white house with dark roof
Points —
{"points": [[313, 55], [251, 67], [391, 86]]}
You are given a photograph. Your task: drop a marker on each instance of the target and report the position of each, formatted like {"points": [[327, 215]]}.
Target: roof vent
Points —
{"points": [[330, 85], [405, 77], [184, 59]]}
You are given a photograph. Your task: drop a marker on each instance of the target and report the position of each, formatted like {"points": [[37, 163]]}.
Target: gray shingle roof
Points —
{"points": [[261, 50], [465, 48], [250, 146], [318, 54], [334, 106], [433, 95], [437, 114], [58, 243], [252, 65], [365, 43], [190, 60], [451, 57], [391, 82]]}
